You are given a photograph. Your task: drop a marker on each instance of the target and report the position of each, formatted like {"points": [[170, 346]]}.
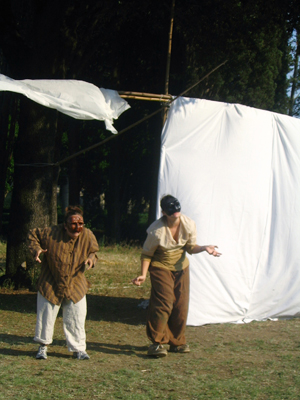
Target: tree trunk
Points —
{"points": [[295, 82], [156, 129], [8, 106], [34, 200]]}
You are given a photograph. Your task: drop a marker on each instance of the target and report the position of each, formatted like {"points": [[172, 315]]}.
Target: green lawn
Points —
{"points": [[259, 360]]}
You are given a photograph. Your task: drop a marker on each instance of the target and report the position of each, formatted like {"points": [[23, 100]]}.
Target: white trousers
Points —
{"points": [[74, 316]]}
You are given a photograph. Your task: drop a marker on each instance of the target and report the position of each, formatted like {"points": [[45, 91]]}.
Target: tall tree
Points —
{"points": [[250, 35], [37, 44], [8, 117], [295, 81], [34, 196], [123, 46], [294, 26]]}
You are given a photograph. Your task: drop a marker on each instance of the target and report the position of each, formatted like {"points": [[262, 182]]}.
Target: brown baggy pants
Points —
{"points": [[168, 307]]}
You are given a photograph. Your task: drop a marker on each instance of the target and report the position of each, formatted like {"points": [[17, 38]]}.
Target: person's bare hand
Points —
{"points": [[138, 280], [89, 264], [37, 255], [212, 250]]}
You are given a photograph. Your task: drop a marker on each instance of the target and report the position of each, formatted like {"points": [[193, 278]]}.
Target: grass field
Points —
{"points": [[259, 360]]}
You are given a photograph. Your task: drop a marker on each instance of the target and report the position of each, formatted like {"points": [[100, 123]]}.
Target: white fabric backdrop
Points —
{"points": [[78, 99], [236, 172]]}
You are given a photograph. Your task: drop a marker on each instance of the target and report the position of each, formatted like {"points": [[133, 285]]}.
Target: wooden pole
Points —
{"points": [[169, 58], [146, 96], [138, 122], [169, 48]]}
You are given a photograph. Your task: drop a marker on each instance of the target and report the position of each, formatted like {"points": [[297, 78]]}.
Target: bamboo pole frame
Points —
{"points": [[162, 98], [169, 59], [169, 48], [138, 122]]}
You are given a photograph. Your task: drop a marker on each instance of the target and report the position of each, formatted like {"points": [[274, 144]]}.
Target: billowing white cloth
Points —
{"points": [[78, 99], [236, 172]]}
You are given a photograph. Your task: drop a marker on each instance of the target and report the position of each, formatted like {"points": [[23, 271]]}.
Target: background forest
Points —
{"points": [[123, 45]]}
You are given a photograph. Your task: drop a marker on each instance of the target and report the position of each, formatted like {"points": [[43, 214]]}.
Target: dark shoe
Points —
{"points": [[157, 350], [42, 353], [81, 355], [184, 348]]}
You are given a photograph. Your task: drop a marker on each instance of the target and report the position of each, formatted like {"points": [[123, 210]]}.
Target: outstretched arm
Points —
{"points": [[210, 249]]}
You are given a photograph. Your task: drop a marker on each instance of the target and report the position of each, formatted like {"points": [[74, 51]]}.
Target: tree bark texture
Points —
{"points": [[295, 79], [8, 105], [34, 200]]}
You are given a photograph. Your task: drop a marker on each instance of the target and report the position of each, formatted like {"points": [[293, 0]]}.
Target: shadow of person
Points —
{"points": [[99, 347], [117, 349], [99, 308], [115, 309]]}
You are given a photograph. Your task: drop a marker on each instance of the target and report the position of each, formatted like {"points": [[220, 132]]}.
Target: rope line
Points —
{"points": [[58, 163]]}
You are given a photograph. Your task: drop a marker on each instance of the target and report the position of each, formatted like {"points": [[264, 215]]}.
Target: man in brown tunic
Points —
{"points": [[68, 250]]}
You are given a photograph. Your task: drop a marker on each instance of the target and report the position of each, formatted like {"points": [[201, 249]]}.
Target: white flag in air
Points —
{"points": [[78, 99]]}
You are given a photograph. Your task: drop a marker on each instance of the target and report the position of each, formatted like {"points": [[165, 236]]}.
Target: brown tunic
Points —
{"points": [[62, 269]]}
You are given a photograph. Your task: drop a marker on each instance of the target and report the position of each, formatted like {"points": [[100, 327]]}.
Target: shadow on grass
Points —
{"points": [[115, 309], [19, 302], [31, 354], [117, 349], [100, 308], [17, 340], [103, 348]]}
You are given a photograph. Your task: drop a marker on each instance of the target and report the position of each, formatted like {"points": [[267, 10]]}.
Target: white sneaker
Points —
{"points": [[42, 353]]}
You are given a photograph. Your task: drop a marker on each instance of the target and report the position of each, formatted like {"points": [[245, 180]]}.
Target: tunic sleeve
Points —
{"points": [[149, 247], [93, 248], [192, 240], [34, 241]]}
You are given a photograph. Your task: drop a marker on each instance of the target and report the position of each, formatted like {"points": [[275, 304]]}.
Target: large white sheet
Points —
{"points": [[78, 99], [236, 172]]}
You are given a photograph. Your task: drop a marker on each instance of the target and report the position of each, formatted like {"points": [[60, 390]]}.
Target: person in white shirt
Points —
{"points": [[164, 255]]}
